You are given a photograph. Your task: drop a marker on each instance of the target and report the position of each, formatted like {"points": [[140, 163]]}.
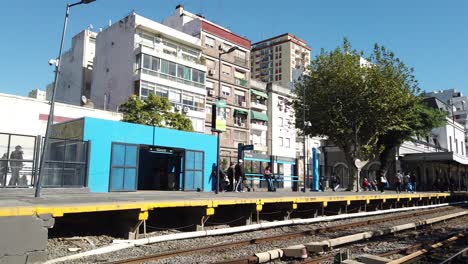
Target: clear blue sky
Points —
{"points": [[429, 35]]}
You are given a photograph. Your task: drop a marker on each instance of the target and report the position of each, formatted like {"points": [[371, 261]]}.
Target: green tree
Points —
{"points": [[361, 104], [154, 111]]}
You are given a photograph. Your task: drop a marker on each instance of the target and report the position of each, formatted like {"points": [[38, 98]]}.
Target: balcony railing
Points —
{"points": [[241, 82], [172, 78], [240, 61]]}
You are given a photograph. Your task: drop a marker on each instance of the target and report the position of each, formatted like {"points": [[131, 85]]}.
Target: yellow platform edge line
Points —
{"points": [[60, 210]]}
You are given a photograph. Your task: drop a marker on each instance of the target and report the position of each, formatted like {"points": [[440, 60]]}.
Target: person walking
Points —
{"points": [[230, 175], [398, 182], [413, 182], [240, 177], [3, 168], [16, 164], [335, 183], [407, 182], [269, 179], [382, 183]]}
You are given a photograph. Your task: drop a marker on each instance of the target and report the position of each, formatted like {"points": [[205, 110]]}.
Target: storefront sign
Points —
{"points": [[161, 150]]}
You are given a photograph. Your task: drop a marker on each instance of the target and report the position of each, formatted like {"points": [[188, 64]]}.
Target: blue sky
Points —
{"points": [[429, 35]]}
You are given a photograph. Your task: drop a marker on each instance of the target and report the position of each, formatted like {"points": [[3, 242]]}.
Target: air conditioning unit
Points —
{"points": [[178, 107], [211, 72], [211, 92], [244, 104], [186, 109]]}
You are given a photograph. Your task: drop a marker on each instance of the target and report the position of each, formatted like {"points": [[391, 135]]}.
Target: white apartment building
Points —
{"points": [[139, 56], [259, 116], [76, 69], [457, 106], [235, 74], [280, 59]]}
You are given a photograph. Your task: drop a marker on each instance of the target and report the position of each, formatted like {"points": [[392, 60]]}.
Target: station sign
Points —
{"points": [[161, 150], [248, 147]]}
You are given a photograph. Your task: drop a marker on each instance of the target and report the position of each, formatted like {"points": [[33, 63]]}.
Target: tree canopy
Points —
{"points": [[154, 111], [365, 106]]}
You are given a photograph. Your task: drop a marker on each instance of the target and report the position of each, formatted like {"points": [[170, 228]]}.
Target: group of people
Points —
{"points": [[16, 164], [234, 179], [405, 182], [371, 185]]}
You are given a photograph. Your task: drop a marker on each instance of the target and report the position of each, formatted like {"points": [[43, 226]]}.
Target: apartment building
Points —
{"points": [[259, 116], [281, 59], [139, 56], [235, 74], [38, 94], [76, 69], [456, 107]]}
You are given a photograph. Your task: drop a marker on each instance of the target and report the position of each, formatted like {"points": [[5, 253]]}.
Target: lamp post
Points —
{"points": [[218, 98], [50, 119]]}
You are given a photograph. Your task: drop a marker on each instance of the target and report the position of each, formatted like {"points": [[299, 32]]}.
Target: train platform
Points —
{"points": [[58, 203]]}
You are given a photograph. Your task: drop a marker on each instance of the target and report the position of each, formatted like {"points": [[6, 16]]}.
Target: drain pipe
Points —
{"points": [[123, 244]]}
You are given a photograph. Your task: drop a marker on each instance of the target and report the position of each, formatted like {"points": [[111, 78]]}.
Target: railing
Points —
{"points": [[240, 82], [171, 78], [240, 61]]}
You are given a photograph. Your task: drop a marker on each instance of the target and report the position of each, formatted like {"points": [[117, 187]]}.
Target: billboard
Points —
{"points": [[218, 116]]}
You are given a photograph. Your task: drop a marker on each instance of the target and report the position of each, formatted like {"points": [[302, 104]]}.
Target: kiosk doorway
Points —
{"points": [[160, 168]]}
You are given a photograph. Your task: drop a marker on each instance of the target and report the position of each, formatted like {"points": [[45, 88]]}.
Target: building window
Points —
{"points": [[240, 98], [240, 120], [210, 64], [280, 141], [226, 46], [287, 142], [174, 96], [450, 140], [226, 70], [225, 90], [124, 167], [198, 124], [240, 136], [280, 121], [456, 145], [209, 42]]}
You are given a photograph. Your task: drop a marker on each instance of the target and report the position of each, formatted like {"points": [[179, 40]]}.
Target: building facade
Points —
{"points": [[76, 69], [259, 118], [280, 59], [139, 56], [235, 74], [38, 94]]}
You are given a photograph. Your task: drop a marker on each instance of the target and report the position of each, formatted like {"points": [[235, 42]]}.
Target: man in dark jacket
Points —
{"points": [[230, 174], [16, 164], [240, 177]]}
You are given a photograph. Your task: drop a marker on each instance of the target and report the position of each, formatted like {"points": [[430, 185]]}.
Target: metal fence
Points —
{"points": [[65, 164]]}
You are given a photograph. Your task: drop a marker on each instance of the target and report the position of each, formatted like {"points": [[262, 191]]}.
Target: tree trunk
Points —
{"points": [[352, 171], [385, 159]]}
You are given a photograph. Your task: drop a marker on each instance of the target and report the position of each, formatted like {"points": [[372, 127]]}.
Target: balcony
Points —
{"points": [[258, 106], [254, 126], [241, 82], [241, 61]]}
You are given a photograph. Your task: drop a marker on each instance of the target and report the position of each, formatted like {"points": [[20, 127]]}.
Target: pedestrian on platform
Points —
{"points": [[230, 175], [240, 177], [398, 182], [269, 179], [335, 182], [3, 169], [382, 183], [214, 179], [321, 187], [16, 164], [413, 182], [407, 182], [366, 185], [373, 185]]}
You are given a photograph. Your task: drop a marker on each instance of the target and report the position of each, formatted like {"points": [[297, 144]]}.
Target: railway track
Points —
{"points": [[265, 240]]}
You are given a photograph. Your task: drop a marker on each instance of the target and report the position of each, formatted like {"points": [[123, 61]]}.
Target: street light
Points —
{"points": [[218, 98], [50, 119]]}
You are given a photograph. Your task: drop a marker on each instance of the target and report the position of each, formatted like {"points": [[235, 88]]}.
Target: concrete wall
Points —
{"points": [[24, 239], [114, 65], [103, 132], [74, 78]]}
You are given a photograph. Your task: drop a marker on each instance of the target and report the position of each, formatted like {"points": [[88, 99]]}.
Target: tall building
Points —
{"points": [[235, 74], [76, 69], [139, 56], [280, 59]]}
